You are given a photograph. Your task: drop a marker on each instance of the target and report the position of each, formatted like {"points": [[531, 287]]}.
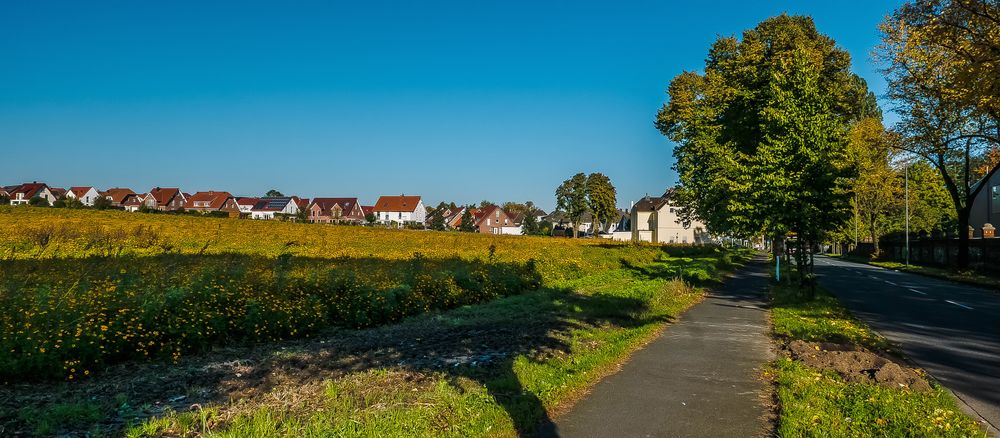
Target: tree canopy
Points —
{"points": [[601, 199], [762, 135], [571, 197]]}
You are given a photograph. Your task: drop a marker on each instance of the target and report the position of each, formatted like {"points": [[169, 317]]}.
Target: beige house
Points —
{"points": [[655, 220]]}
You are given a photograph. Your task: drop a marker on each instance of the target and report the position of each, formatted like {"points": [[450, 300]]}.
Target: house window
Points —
{"points": [[995, 201]]}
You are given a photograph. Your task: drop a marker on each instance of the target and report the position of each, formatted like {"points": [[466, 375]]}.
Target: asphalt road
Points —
{"points": [[949, 329], [700, 378]]}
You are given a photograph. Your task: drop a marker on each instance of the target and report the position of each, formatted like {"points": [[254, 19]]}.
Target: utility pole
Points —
{"points": [[906, 197]]}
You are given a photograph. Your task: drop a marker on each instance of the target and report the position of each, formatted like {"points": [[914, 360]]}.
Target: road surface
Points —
{"points": [[949, 329]]}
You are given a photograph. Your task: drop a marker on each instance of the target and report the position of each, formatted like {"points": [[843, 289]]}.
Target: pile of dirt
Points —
{"points": [[857, 365]]}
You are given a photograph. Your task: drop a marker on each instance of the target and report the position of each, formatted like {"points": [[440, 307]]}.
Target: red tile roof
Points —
{"points": [[30, 190], [247, 201], [400, 203], [164, 195], [117, 194], [80, 191], [215, 200], [368, 209], [57, 192], [325, 204]]}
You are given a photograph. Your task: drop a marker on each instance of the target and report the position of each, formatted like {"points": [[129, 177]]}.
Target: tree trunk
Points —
{"points": [[576, 227], [963, 238]]}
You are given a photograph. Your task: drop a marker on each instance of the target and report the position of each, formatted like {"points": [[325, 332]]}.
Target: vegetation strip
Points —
{"points": [[840, 379], [497, 368]]}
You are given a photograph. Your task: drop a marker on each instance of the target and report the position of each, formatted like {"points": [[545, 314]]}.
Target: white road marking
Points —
{"points": [[921, 293], [894, 284], [959, 305]]}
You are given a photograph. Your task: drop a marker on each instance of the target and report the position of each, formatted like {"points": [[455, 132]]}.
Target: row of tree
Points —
{"points": [[583, 193], [779, 138]]}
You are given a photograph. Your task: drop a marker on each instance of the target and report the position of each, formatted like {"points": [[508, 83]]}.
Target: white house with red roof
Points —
{"points": [[400, 209], [22, 194], [268, 208], [86, 195]]}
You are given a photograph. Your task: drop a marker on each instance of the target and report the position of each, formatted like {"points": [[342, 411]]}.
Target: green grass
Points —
{"points": [[820, 403], [815, 403], [609, 313], [822, 318]]}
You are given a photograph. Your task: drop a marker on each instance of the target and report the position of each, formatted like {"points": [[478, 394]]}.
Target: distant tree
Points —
{"points": [[571, 197], [530, 226], [59, 203], [437, 221], [485, 203], [452, 205], [4, 200], [302, 215], [273, 194], [545, 228], [601, 200], [102, 203], [370, 218], [72, 202], [38, 201], [468, 222]]}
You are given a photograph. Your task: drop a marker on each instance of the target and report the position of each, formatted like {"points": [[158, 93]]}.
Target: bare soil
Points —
{"points": [[858, 365]]}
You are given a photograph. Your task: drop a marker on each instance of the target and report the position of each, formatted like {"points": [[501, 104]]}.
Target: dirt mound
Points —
{"points": [[857, 365]]}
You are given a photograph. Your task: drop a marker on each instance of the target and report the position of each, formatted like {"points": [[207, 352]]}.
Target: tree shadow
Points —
{"points": [[478, 343]]}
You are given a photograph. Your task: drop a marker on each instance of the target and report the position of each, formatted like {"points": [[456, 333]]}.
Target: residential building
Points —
{"points": [[168, 199], [22, 194], [985, 207], [57, 192], [86, 195], [336, 210], [246, 204], [269, 208], [494, 220], [117, 196], [139, 201], [212, 201], [400, 210], [655, 220]]}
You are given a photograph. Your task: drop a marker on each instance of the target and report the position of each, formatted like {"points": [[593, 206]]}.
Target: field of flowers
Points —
{"points": [[81, 289]]}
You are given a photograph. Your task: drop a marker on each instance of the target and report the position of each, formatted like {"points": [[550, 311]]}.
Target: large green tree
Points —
{"points": [[601, 200], [468, 223], [877, 190], [942, 61], [571, 197], [762, 134]]}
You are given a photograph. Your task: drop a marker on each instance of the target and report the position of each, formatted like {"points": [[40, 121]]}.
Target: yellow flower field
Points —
{"points": [[82, 288]]}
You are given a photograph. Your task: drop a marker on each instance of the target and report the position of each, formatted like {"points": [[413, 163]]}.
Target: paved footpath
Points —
{"points": [[700, 378]]}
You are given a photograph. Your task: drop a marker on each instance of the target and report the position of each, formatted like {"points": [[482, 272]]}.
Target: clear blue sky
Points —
{"points": [[455, 101]]}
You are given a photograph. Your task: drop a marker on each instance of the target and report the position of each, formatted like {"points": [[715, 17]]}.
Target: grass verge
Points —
{"points": [[814, 402], [501, 368]]}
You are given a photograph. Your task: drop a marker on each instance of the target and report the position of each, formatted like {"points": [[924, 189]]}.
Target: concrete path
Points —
{"points": [[700, 378], [949, 329]]}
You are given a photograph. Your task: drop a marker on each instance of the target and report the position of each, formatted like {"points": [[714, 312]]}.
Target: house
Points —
{"points": [[494, 220], [117, 196], [86, 195], [368, 210], [400, 209], [212, 201], [22, 194], [57, 192], [246, 204], [168, 199], [985, 207], [139, 201], [454, 220], [336, 210], [655, 220], [269, 208]]}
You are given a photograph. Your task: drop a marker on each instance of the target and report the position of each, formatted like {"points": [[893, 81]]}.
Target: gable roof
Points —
{"points": [[272, 204], [301, 203], [489, 211], [367, 209], [401, 203], [164, 195], [243, 200], [57, 192], [216, 200], [117, 194], [325, 204], [29, 190], [80, 192]]}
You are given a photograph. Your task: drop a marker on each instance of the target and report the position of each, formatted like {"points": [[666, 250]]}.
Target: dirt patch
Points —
{"points": [[857, 365]]}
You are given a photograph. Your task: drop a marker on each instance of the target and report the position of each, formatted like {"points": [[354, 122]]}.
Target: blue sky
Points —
{"points": [[454, 101]]}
